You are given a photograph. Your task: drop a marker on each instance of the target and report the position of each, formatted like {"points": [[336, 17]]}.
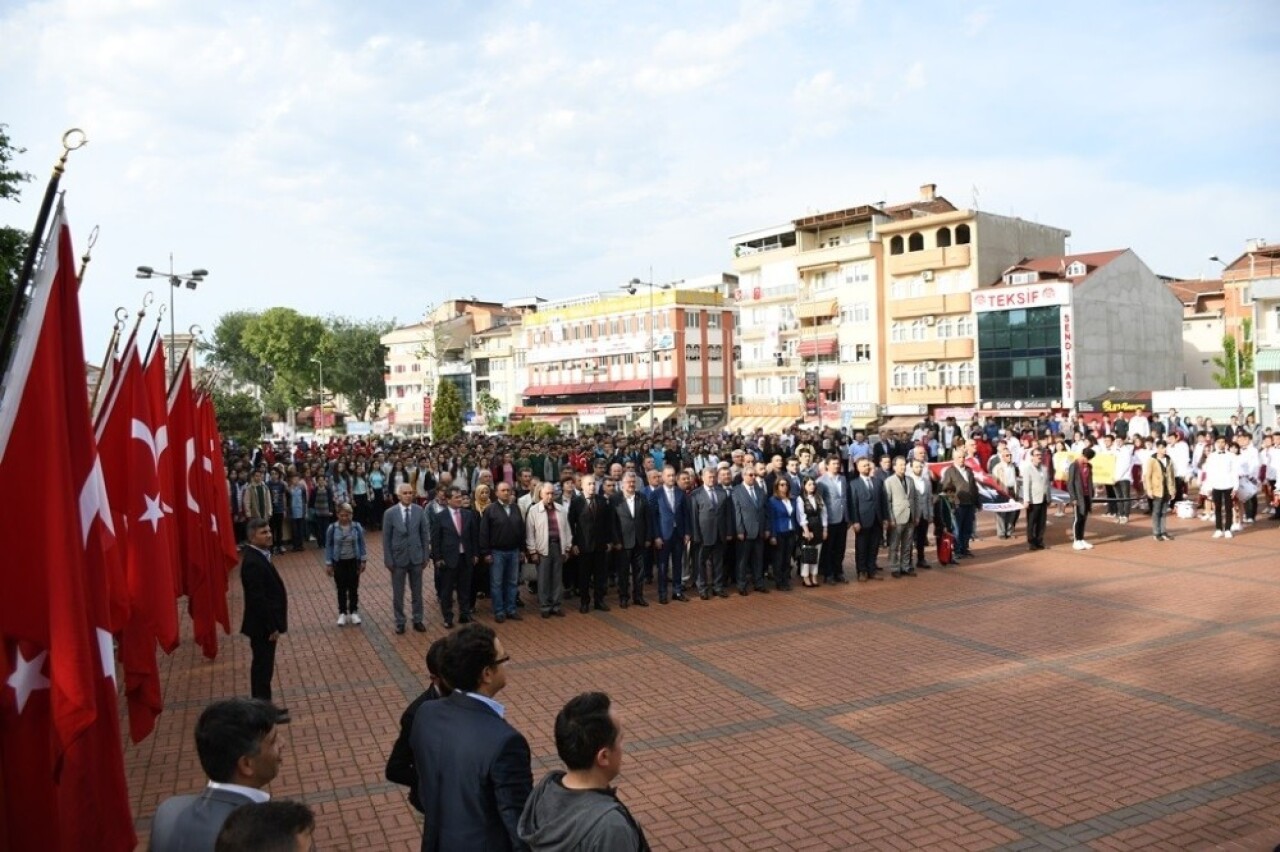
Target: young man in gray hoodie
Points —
{"points": [[577, 809]]}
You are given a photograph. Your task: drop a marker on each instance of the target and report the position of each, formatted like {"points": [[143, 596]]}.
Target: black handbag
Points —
{"points": [[809, 554]]}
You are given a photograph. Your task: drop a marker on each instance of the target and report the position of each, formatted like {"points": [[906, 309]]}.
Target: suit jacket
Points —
{"points": [[668, 518], [900, 500], [405, 546], [966, 486], [474, 775], [711, 522], [266, 603], [594, 524], [192, 823], [835, 497], [750, 516], [1037, 483], [452, 547], [632, 530], [869, 506]]}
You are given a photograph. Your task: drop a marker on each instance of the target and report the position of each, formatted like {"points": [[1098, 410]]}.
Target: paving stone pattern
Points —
{"points": [[1126, 697]]}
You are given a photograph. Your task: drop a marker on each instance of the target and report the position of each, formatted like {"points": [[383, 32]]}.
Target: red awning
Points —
{"points": [[810, 348], [826, 384], [544, 390]]}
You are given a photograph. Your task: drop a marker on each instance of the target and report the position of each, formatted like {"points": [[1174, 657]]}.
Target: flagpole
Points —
{"points": [[113, 390], [194, 331], [72, 140], [122, 316]]}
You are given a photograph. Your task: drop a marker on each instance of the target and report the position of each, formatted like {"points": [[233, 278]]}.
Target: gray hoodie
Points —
{"points": [[557, 818]]}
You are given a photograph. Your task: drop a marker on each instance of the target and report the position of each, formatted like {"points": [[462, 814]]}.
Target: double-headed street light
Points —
{"points": [[631, 287], [191, 280]]}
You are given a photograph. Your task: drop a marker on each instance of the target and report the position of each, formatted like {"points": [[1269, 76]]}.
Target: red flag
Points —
{"points": [[182, 437], [207, 579], [58, 728], [165, 464]]}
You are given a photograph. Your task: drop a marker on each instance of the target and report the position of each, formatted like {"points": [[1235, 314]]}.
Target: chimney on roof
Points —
{"points": [[928, 191], [1255, 244]]}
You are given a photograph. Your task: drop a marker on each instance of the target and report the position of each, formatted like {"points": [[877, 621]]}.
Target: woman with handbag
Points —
{"points": [[815, 531]]}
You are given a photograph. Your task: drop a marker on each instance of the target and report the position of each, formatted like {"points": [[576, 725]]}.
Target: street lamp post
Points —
{"points": [[320, 409], [191, 279], [631, 287]]}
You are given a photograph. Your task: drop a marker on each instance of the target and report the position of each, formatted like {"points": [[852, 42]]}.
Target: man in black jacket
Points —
{"points": [[266, 608], [631, 531], [455, 545], [400, 766], [593, 525], [474, 772], [501, 540]]}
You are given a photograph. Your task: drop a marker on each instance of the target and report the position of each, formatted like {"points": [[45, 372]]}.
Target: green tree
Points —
{"points": [[239, 416], [530, 429], [13, 242], [287, 341], [446, 412], [1235, 364], [227, 350], [355, 362], [488, 406]]}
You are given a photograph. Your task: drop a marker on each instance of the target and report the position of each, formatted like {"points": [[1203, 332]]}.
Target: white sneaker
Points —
{"points": [[353, 619], [1236, 527], [342, 619], [1217, 533], [1086, 545], [1077, 545], [1227, 534], [1122, 521]]}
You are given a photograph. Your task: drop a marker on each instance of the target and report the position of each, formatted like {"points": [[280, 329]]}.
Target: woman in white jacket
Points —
{"points": [[1221, 476]]}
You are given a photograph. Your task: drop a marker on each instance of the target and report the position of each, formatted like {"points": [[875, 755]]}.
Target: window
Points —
{"points": [[713, 321], [1246, 298], [693, 385], [862, 353], [964, 326], [822, 280], [917, 329], [943, 237], [691, 319], [692, 353], [900, 377], [898, 332], [947, 375], [915, 242], [715, 385], [919, 376], [966, 374], [895, 244], [1076, 269], [855, 391], [400, 368], [943, 329], [790, 385], [715, 352], [761, 387], [846, 314], [862, 312], [757, 316], [575, 332], [856, 273], [962, 235], [846, 353]]}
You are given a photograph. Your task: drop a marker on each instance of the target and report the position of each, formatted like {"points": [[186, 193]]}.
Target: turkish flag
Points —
{"points": [[182, 437], [60, 750], [134, 440], [207, 578]]}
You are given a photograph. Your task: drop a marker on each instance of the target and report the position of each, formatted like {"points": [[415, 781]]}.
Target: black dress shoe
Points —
{"points": [[922, 564], [515, 616], [400, 629], [419, 627], [842, 579], [910, 572], [742, 592], [624, 604], [499, 618], [764, 590], [706, 596], [662, 599], [558, 613], [897, 574], [680, 597], [877, 576], [546, 614], [584, 608], [641, 602], [602, 607], [466, 618], [724, 593]]}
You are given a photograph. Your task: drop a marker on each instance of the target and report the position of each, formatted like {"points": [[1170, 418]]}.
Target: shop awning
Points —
{"points": [[905, 422], [813, 310], [1267, 361], [810, 348], [544, 390], [770, 425], [827, 384], [659, 383], [660, 412]]}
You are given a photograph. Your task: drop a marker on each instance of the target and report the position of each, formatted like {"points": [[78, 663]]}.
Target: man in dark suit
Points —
{"points": [[455, 543], [668, 515], [474, 772], [711, 511], [751, 522], [867, 511], [400, 766], [266, 608], [834, 489], [593, 525], [631, 515], [239, 750], [406, 544]]}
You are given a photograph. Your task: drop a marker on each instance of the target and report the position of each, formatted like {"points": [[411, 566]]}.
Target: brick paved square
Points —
{"points": [[1225, 600]]}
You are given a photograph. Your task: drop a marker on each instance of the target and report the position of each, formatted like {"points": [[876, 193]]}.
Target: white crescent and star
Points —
{"points": [[157, 442], [28, 676], [94, 502]]}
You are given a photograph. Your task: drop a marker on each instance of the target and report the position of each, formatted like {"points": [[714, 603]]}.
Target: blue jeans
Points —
{"points": [[503, 581], [965, 518]]}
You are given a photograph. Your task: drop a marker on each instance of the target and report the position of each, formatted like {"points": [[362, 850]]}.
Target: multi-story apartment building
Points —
{"points": [[421, 354], [1055, 331], [811, 306], [1252, 284], [597, 360], [1203, 326], [932, 265]]}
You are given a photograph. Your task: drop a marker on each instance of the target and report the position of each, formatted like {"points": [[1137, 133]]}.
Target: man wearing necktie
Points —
{"points": [[406, 545], [670, 532], [835, 503], [868, 511], [455, 543], [751, 522], [712, 524]]}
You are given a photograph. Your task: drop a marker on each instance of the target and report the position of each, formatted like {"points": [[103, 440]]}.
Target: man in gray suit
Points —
{"points": [[240, 751], [834, 489], [751, 520], [1037, 491], [406, 544], [900, 500], [712, 526]]}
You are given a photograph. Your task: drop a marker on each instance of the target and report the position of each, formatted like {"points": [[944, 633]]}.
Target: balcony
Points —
{"points": [[932, 396], [931, 350], [922, 306], [912, 262]]}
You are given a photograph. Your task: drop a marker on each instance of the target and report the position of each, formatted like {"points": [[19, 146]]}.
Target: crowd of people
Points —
{"points": [[612, 517]]}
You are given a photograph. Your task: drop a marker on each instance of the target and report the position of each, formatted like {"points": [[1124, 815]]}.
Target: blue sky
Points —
{"points": [[371, 159]]}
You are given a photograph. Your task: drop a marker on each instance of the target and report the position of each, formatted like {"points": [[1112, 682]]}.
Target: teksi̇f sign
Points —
{"points": [[1020, 298]]}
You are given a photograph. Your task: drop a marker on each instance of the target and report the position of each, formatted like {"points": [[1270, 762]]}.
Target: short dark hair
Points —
{"points": [[435, 656], [254, 525], [467, 655], [265, 827], [1088, 453], [583, 727], [229, 730]]}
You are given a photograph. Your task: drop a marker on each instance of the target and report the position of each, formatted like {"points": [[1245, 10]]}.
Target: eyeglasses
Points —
{"points": [[501, 660]]}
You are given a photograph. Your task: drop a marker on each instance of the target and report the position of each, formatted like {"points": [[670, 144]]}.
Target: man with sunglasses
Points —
{"points": [[474, 772]]}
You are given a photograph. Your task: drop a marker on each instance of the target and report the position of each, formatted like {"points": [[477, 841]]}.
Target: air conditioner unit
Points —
{"points": [[930, 320], [927, 275], [931, 365]]}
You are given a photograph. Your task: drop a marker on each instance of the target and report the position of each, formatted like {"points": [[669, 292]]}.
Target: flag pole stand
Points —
{"points": [[73, 140]]}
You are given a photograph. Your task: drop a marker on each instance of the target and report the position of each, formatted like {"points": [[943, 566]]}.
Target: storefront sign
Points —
{"points": [[1068, 361], [426, 411], [962, 415], [811, 393], [626, 344], [1016, 298], [1112, 406]]}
